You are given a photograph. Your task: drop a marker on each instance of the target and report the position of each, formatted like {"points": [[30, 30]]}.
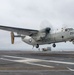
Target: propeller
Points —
{"points": [[46, 26]]}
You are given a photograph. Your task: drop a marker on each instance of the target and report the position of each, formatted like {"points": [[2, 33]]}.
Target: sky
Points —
{"points": [[29, 14]]}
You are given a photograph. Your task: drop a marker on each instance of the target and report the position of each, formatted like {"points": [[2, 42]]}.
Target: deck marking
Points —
{"points": [[60, 62], [70, 69], [27, 62], [41, 60]]}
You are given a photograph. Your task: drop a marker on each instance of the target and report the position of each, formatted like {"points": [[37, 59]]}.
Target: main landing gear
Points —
{"points": [[54, 45], [37, 46]]}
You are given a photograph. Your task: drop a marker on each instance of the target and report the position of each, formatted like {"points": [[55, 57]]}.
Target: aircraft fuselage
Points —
{"points": [[62, 36]]}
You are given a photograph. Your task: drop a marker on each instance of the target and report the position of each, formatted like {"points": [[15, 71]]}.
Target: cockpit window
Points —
{"points": [[69, 29]]}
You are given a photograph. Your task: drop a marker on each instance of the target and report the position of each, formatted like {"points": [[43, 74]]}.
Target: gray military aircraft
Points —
{"points": [[40, 37]]}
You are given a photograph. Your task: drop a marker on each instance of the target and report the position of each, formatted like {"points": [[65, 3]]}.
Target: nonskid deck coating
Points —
{"points": [[16, 61]]}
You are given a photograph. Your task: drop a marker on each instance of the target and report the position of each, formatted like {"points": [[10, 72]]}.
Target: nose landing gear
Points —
{"points": [[37, 46]]}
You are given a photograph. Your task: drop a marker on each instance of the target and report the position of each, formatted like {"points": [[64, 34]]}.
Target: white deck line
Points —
{"points": [[26, 62], [52, 61]]}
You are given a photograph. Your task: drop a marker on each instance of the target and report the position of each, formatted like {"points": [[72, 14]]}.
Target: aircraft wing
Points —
{"points": [[22, 31]]}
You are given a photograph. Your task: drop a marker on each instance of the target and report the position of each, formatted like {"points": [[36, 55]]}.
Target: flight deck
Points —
{"points": [[36, 63]]}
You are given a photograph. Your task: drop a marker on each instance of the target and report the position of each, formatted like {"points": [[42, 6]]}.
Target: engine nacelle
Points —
{"points": [[12, 37], [46, 30], [43, 33]]}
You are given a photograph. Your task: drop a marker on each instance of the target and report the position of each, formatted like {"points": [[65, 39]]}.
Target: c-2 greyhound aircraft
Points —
{"points": [[40, 37]]}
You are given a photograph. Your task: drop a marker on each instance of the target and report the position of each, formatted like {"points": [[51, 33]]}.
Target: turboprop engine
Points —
{"points": [[46, 30], [43, 34]]}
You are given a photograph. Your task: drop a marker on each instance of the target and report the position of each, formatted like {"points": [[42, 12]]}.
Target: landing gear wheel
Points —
{"points": [[37, 46], [54, 45]]}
